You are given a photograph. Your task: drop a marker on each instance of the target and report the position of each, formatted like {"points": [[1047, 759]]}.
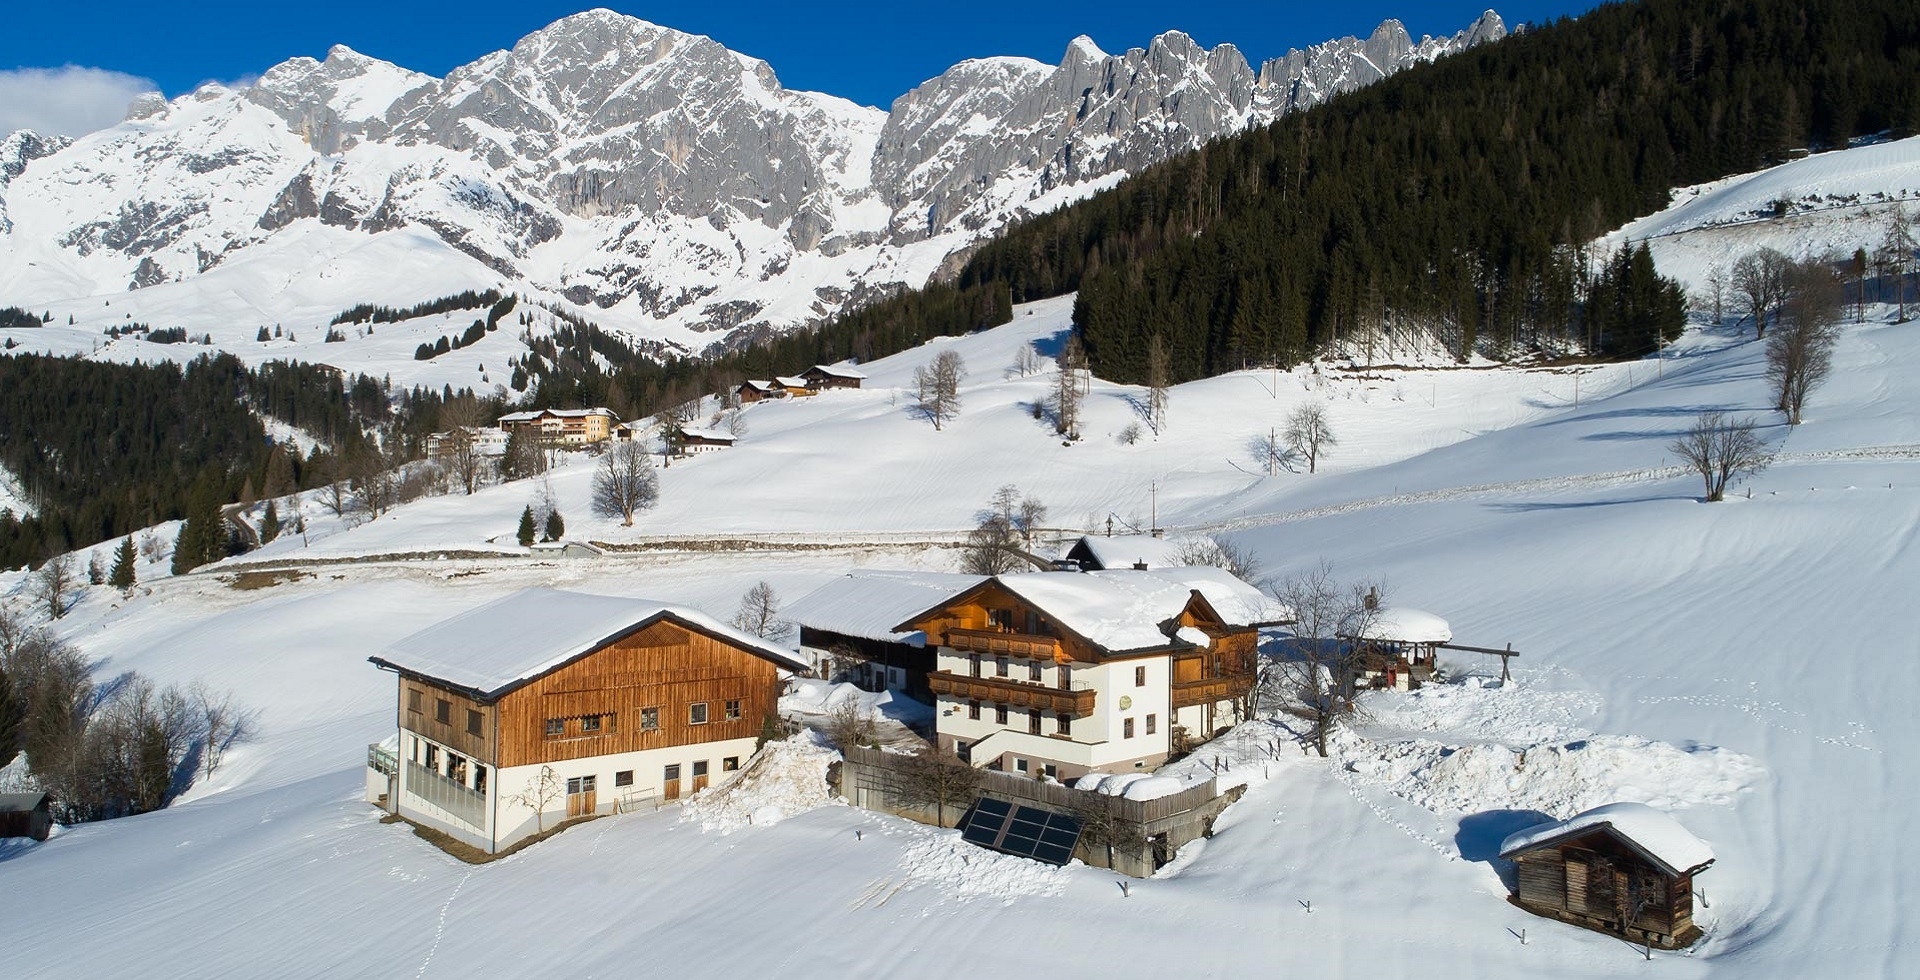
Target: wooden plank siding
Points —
{"points": [[454, 734], [663, 666], [1596, 881]]}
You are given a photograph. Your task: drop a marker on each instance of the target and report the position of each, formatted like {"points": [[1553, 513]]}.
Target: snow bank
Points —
{"points": [[782, 779], [967, 872]]}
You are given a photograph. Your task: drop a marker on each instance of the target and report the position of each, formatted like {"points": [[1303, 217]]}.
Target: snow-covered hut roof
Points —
{"points": [[1124, 551], [1399, 624], [707, 435], [869, 603], [512, 640], [758, 385], [790, 382], [512, 417], [1653, 833], [839, 372]]}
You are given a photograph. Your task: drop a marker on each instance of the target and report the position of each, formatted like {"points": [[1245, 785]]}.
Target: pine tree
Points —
{"points": [[270, 523], [526, 527], [556, 528], [122, 577]]}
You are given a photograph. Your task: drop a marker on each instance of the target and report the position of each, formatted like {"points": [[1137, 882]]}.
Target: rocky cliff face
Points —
{"points": [[671, 185]]}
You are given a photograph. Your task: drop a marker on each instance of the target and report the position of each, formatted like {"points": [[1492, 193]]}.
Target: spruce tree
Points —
{"points": [[556, 528], [13, 716], [526, 527], [270, 523], [122, 576]]}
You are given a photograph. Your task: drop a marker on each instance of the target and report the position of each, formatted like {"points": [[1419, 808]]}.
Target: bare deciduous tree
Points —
{"points": [[1026, 360], [223, 723], [850, 724], [1220, 552], [937, 385], [1159, 377], [1896, 256], [1760, 277], [938, 780], [759, 611], [545, 788], [1720, 449], [1800, 349], [1003, 539], [624, 483], [1308, 433], [52, 585], [461, 453], [1067, 393], [1315, 676], [1271, 453]]}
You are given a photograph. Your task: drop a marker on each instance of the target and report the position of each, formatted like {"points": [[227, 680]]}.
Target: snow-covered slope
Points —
{"points": [[671, 187], [1729, 663]]}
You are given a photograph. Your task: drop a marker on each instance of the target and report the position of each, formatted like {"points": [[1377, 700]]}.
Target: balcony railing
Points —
{"points": [[446, 794], [1008, 644], [1209, 690], [381, 760], [1015, 694]]}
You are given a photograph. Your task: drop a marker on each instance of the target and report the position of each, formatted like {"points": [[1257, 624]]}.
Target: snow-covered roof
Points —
{"points": [[869, 603], [1654, 833], [1399, 624], [524, 635], [791, 382], [1123, 551], [839, 372], [579, 413], [709, 435], [512, 417], [758, 385], [1124, 609]]}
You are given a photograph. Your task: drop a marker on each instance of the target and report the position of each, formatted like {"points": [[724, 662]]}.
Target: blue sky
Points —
{"points": [[866, 52]]}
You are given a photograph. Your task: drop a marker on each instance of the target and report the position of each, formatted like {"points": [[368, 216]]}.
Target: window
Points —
{"points": [[1033, 671], [1150, 721], [433, 757], [973, 710], [973, 663], [473, 722], [623, 778], [1019, 765], [589, 724], [1126, 728], [480, 779], [580, 784], [697, 713], [672, 774], [1033, 622], [999, 714], [1063, 724], [1001, 619], [1050, 771], [1064, 677], [733, 709], [649, 719], [1033, 721], [999, 666], [556, 727], [443, 711], [457, 769], [413, 701], [700, 769], [730, 763], [1139, 677]]}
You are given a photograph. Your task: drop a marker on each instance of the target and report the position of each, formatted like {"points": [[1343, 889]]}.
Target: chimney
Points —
{"points": [[1372, 601], [1139, 566]]}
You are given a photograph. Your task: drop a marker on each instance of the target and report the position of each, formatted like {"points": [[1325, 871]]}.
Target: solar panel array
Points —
{"points": [[1023, 831]]}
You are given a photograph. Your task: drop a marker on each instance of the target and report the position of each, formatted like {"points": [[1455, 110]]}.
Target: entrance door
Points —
{"points": [[581, 796], [670, 783], [699, 776]]}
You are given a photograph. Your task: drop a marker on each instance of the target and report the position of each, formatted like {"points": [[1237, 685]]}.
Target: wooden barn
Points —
{"points": [[547, 705], [26, 815], [822, 376], [1624, 868], [753, 391]]}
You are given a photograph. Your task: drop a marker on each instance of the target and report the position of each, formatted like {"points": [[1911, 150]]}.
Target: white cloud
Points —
{"points": [[69, 101]]}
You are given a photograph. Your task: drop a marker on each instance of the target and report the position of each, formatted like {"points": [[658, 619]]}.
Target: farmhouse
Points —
{"points": [[693, 441], [547, 705], [753, 391], [1093, 553], [797, 387], [824, 376], [847, 627], [1623, 868], [562, 426], [484, 440], [26, 815], [1061, 674]]}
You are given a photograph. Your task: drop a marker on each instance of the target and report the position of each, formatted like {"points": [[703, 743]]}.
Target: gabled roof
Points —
{"points": [[1655, 835], [869, 603], [21, 802], [710, 435], [1124, 551], [790, 382], [838, 372], [1128, 610], [513, 417], [758, 385], [510, 641], [1403, 625]]}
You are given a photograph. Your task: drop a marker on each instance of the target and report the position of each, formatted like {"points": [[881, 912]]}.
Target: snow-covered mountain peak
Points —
{"points": [[1082, 50]]}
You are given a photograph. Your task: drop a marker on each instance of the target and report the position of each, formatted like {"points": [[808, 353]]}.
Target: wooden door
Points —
{"points": [[1576, 868], [699, 776], [582, 797], [670, 783]]}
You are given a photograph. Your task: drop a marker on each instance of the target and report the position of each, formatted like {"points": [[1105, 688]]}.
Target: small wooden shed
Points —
{"points": [[1624, 868], [26, 815]]}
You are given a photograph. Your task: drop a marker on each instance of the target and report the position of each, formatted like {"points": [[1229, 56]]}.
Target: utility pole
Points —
{"points": [[1153, 508]]}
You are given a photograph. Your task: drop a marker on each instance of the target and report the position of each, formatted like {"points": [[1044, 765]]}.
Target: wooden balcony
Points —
{"points": [[1014, 694], [1209, 690], [998, 644]]}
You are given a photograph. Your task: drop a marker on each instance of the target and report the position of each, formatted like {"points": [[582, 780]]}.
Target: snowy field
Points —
{"points": [[1740, 665]]}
